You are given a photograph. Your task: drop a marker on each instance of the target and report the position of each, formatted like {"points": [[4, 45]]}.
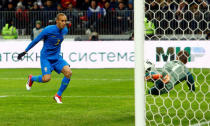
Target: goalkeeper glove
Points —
{"points": [[21, 55]]}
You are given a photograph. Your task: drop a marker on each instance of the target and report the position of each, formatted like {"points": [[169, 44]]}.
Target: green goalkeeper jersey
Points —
{"points": [[172, 73], [177, 72]]}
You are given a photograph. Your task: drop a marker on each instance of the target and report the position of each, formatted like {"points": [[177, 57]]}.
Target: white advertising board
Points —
{"points": [[160, 52], [106, 54], [79, 54]]}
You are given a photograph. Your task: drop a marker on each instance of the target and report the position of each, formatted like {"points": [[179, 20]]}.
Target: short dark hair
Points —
{"points": [[60, 14], [183, 56]]}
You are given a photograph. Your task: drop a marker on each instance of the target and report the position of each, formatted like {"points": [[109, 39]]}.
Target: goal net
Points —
{"points": [[171, 26]]}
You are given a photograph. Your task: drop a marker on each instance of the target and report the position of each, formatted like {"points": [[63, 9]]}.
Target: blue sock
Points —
{"points": [[37, 78], [63, 86]]}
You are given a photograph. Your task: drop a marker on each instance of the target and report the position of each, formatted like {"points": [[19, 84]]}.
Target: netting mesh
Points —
{"points": [[179, 20], [180, 106]]}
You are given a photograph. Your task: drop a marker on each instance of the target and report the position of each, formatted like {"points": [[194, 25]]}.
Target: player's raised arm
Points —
{"points": [[33, 43], [36, 40]]}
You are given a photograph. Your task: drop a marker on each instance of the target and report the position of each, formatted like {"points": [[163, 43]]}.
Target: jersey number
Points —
{"points": [[58, 42]]}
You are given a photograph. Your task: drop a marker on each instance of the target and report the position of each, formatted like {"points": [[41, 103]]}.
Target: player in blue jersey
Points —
{"points": [[50, 58]]}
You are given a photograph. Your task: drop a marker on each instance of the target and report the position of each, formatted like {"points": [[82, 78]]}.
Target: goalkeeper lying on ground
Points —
{"points": [[172, 73]]}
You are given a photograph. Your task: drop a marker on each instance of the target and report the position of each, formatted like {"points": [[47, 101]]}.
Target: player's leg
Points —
{"points": [[41, 78], [45, 77], [62, 67], [66, 80]]}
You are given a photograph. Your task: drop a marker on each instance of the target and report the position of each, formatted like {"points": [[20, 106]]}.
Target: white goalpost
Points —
{"points": [[139, 59]]}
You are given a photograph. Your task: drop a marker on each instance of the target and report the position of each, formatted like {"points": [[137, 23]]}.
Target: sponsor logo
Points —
{"points": [[169, 54]]}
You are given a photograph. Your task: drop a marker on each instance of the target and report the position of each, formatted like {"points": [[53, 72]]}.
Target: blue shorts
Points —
{"points": [[48, 66]]}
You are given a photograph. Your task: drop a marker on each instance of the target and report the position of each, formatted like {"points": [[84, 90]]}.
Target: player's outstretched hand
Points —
{"points": [[20, 55]]}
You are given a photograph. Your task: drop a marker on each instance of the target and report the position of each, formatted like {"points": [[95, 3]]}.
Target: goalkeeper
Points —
{"points": [[172, 73]]}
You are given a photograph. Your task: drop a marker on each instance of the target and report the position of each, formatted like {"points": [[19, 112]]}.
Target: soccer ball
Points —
{"points": [[148, 65]]}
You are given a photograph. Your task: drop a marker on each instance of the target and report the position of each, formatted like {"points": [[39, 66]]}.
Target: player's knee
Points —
{"points": [[46, 79], [68, 74], [67, 71]]}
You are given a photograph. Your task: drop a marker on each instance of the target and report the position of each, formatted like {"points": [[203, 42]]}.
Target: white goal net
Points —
{"points": [[178, 19], [171, 26]]}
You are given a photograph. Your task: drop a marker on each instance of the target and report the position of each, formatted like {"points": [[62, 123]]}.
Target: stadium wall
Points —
{"points": [[106, 54]]}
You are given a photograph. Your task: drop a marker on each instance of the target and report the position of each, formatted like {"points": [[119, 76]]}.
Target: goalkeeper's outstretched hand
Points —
{"points": [[20, 55]]}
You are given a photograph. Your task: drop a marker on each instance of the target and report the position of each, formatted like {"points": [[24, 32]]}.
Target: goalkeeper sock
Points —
{"points": [[37, 78], [63, 86]]}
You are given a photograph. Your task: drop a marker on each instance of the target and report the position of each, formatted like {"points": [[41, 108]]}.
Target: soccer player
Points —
{"points": [[171, 74], [50, 58]]}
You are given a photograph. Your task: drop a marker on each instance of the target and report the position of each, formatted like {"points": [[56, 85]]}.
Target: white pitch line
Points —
{"points": [[3, 96], [71, 96], [200, 124], [102, 79]]}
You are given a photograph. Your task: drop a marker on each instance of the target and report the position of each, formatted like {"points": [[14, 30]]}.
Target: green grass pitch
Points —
{"points": [[95, 97], [98, 97]]}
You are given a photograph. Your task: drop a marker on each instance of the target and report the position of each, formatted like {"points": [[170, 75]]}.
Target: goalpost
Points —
{"points": [[139, 59]]}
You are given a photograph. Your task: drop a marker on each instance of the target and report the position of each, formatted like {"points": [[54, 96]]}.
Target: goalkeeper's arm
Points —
{"points": [[151, 76]]}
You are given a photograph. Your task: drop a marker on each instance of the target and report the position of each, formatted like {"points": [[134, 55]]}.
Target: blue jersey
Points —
{"points": [[53, 38]]}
